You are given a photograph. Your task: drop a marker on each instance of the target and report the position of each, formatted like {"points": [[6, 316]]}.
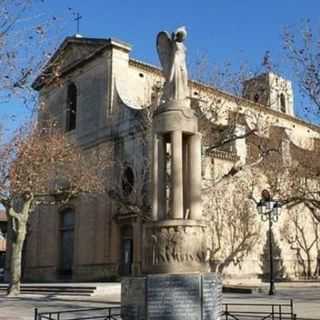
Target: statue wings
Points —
{"points": [[164, 48]]}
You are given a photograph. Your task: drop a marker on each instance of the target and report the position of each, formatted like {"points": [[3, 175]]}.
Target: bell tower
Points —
{"points": [[270, 90]]}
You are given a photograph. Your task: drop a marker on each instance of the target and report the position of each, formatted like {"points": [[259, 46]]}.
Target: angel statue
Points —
{"points": [[172, 54]]}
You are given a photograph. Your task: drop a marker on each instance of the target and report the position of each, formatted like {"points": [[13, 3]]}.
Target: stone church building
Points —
{"points": [[102, 98]]}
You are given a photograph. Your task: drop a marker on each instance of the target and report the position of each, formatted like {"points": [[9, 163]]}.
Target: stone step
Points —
{"points": [[96, 289], [52, 289]]}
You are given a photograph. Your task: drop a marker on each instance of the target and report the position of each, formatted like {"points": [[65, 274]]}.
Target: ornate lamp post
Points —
{"points": [[269, 210]]}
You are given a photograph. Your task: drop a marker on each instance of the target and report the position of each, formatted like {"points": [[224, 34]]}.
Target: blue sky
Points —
{"points": [[224, 30]]}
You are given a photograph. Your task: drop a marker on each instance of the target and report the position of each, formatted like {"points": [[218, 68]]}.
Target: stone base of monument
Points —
{"points": [[174, 246], [192, 296]]}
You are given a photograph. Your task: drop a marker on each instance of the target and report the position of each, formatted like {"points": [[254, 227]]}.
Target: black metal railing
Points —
{"points": [[252, 311], [106, 313], [231, 311]]}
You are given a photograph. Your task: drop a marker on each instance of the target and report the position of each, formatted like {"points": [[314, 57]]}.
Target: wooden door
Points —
{"points": [[66, 242]]}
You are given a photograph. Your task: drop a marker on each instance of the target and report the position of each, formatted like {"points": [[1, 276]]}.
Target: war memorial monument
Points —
{"points": [[175, 282]]}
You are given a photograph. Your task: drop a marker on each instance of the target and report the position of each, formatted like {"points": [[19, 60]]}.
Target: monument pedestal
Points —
{"points": [[185, 296]]}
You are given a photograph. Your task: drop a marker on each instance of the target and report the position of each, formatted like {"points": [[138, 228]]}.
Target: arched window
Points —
{"points": [[127, 181], [282, 102], [71, 112]]}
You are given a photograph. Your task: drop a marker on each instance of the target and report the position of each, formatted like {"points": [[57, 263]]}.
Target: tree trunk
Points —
{"points": [[17, 241], [309, 272]]}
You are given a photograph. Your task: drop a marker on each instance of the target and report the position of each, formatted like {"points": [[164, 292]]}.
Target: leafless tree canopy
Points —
{"points": [[301, 44], [26, 39], [40, 165]]}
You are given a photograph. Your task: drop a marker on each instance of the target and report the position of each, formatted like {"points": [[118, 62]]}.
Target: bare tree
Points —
{"points": [[301, 231], [41, 166], [26, 40], [232, 215], [301, 44], [298, 181]]}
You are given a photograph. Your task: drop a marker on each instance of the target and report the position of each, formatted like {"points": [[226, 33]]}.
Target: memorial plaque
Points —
{"points": [[133, 299], [174, 297], [211, 296]]}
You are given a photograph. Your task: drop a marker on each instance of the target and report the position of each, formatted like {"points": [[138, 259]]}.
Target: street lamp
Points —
{"points": [[269, 210]]}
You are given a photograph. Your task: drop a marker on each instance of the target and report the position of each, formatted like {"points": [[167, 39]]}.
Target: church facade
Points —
{"points": [[103, 98]]}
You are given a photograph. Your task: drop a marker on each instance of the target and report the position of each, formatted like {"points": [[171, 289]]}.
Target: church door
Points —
{"points": [[127, 251], [66, 242]]}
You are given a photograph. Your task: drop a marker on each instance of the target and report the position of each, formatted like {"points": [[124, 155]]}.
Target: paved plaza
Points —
{"points": [[306, 302]]}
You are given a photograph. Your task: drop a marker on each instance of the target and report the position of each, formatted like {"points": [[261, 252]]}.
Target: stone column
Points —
{"points": [[162, 167], [155, 177], [186, 200], [195, 176], [176, 176]]}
